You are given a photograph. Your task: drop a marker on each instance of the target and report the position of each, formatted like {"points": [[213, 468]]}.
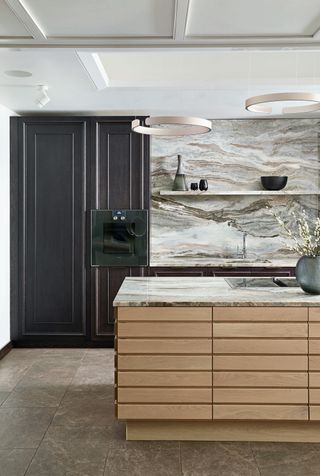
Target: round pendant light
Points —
{"points": [[185, 126], [261, 104]]}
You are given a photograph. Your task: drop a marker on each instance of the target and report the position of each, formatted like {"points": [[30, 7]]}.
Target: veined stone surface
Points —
{"points": [[201, 291], [208, 230]]}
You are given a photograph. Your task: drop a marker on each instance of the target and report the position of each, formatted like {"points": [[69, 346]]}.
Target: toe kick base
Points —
{"points": [[301, 432]]}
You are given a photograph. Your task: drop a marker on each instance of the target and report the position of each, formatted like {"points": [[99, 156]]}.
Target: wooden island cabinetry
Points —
{"points": [[203, 372]]}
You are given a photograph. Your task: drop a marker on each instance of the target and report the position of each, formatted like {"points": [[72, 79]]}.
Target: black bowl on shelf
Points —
{"points": [[274, 182]]}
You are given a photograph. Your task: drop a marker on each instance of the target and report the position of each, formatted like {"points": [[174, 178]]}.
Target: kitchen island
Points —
{"points": [[217, 359]]}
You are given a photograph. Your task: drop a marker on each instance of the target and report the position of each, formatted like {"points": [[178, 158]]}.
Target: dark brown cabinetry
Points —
{"points": [[120, 179], [60, 169], [49, 200]]}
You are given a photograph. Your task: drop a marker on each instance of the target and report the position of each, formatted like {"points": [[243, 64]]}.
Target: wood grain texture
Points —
{"points": [[314, 396], [165, 379], [165, 314], [260, 412], [315, 412], [164, 346], [314, 362], [164, 329], [314, 379], [314, 346], [164, 362], [164, 412], [314, 330], [260, 346], [260, 314], [261, 395], [260, 362], [253, 329], [164, 395], [314, 314], [219, 430], [261, 379]]}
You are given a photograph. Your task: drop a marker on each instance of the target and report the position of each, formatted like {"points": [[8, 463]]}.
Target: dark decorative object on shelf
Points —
{"points": [[274, 182], [194, 186], [308, 274], [180, 178], [203, 185]]}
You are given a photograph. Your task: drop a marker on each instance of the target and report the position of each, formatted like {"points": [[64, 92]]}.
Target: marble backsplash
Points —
{"points": [[208, 230]]}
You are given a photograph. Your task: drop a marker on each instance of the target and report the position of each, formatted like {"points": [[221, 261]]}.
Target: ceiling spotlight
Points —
{"points": [[43, 97]]}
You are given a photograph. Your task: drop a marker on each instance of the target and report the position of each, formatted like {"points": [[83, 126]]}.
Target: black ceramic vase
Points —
{"points": [[308, 274], [203, 185]]}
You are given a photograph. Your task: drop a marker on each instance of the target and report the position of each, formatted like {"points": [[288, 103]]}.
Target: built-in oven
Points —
{"points": [[119, 237]]}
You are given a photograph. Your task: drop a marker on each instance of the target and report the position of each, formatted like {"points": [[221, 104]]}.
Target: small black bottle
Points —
{"points": [[203, 185]]}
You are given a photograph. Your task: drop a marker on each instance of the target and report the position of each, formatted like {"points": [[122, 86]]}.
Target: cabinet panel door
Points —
{"points": [[52, 228], [119, 179]]}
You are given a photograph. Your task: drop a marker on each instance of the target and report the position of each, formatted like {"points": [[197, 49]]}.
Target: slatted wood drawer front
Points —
{"points": [[164, 379], [164, 363], [260, 363], [314, 363], [165, 346], [164, 395], [164, 412]]}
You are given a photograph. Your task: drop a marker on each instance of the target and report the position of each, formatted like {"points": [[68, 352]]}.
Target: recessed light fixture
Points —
{"points": [[18, 73], [43, 97], [185, 126], [261, 104]]}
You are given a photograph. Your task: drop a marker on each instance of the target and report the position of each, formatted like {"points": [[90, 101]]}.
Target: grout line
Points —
{"points": [[180, 458], [254, 457]]}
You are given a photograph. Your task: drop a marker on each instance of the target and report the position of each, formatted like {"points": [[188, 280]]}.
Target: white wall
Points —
{"points": [[4, 227]]}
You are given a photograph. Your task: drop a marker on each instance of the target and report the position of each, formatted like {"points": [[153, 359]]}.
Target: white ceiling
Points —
{"points": [[166, 23], [198, 57], [209, 83]]}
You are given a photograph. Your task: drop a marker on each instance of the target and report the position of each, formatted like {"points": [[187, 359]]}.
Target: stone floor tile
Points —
{"points": [[92, 411], [93, 375], [48, 396], [11, 374], [131, 458], [284, 459], [23, 427], [67, 451], [15, 462], [217, 459], [3, 397]]}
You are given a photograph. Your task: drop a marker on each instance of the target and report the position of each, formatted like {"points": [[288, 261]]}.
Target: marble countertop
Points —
{"points": [[203, 291]]}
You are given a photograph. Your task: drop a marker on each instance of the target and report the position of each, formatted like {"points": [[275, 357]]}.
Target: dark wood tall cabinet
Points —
{"points": [[120, 179], [60, 169]]}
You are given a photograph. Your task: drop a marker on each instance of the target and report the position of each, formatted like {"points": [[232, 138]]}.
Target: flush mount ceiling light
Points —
{"points": [[261, 103], [18, 73], [43, 98], [185, 126]]}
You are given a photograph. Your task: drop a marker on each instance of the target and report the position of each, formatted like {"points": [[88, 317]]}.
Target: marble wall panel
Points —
{"points": [[204, 231]]}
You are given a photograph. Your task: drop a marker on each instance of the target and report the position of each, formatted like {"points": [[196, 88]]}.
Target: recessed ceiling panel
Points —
{"points": [[103, 18], [209, 18], [10, 25]]}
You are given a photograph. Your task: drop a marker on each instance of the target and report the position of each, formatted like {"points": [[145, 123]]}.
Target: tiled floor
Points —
{"points": [[57, 419]]}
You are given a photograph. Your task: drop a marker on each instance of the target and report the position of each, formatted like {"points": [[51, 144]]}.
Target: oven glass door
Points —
{"points": [[119, 238]]}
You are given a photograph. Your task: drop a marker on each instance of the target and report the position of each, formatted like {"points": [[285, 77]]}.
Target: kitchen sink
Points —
{"points": [[262, 282]]}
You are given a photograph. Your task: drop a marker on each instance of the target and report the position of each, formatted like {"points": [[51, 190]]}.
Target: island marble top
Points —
{"points": [[204, 291]]}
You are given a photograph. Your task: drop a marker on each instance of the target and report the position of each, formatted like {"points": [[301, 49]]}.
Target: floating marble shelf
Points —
{"points": [[169, 193]]}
